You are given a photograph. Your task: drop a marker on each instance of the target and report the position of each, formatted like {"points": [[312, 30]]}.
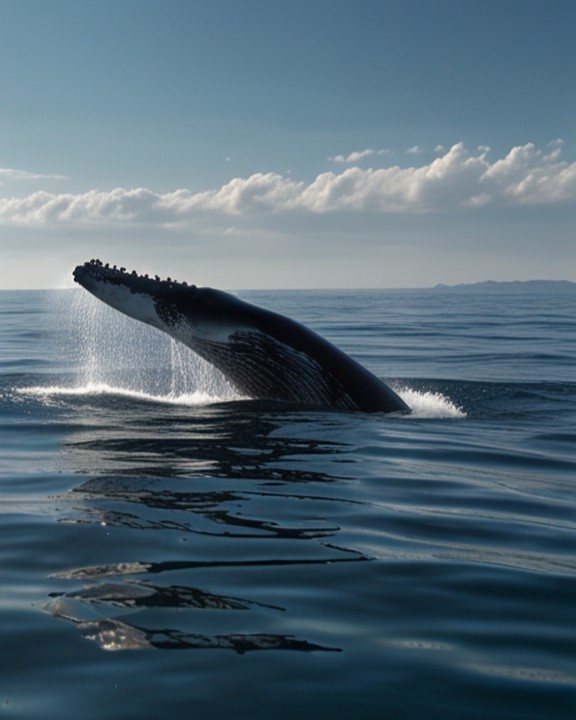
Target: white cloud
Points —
{"points": [[415, 150], [358, 155], [530, 176], [456, 179], [13, 174]]}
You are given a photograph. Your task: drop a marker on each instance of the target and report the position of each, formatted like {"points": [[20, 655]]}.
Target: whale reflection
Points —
{"points": [[226, 506]]}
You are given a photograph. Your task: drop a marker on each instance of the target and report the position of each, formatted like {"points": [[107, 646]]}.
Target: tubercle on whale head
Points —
{"points": [[178, 308], [96, 270], [170, 297], [161, 303]]}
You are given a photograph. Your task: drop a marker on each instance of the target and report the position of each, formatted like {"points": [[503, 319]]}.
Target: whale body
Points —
{"points": [[263, 354]]}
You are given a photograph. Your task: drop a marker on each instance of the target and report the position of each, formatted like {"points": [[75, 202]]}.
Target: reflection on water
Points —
{"points": [[111, 633], [222, 478], [136, 594], [229, 440], [219, 513]]}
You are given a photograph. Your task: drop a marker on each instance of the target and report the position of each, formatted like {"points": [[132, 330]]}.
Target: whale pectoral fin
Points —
{"points": [[264, 354]]}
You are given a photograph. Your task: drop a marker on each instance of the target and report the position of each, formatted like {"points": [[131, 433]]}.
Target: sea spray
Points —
{"points": [[428, 404], [113, 354]]}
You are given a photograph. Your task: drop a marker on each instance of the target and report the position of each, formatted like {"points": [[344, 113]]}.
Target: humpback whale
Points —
{"points": [[263, 354]]}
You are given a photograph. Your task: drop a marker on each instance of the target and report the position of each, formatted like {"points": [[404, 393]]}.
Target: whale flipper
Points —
{"points": [[265, 355]]}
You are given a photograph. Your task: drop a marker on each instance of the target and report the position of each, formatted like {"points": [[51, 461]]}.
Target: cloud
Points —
{"points": [[358, 155], [458, 179], [13, 174], [415, 150]]}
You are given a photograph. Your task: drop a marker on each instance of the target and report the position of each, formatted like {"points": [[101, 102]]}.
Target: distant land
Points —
{"points": [[514, 286]]}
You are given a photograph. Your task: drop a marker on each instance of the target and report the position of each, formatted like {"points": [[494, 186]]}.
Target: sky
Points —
{"points": [[273, 144]]}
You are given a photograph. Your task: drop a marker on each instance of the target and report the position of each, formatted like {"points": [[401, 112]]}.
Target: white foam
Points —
{"points": [[196, 398], [430, 404]]}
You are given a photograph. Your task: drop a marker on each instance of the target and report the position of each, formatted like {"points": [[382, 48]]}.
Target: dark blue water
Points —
{"points": [[303, 564]]}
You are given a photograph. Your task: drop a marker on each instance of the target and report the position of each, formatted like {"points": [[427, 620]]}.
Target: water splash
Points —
{"points": [[427, 404], [116, 355]]}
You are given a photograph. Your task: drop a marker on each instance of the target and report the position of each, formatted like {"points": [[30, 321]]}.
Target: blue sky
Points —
{"points": [[316, 143]]}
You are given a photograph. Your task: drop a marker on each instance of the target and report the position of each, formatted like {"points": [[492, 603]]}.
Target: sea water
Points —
{"points": [[303, 564]]}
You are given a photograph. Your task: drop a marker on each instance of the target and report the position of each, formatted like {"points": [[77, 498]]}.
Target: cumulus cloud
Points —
{"points": [[358, 155], [456, 179], [528, 175], [415, 150]]}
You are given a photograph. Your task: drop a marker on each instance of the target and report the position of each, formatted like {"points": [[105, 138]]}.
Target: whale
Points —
{"points": [[263, 354]]}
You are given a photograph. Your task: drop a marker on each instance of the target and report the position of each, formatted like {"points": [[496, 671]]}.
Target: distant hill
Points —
{"points": [[515, 286]]}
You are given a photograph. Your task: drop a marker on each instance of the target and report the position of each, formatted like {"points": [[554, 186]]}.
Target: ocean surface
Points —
{"points": [[168, 550]]}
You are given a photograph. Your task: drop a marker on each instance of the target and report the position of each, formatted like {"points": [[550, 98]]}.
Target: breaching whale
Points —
{"points": [[263, 354]]}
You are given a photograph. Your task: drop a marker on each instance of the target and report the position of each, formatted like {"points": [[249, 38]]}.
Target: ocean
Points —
{"points": [[304, 564]]}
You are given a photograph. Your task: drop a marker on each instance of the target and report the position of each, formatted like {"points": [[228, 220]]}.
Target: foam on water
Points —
{"points": [[427, 405], [196, 398]]}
